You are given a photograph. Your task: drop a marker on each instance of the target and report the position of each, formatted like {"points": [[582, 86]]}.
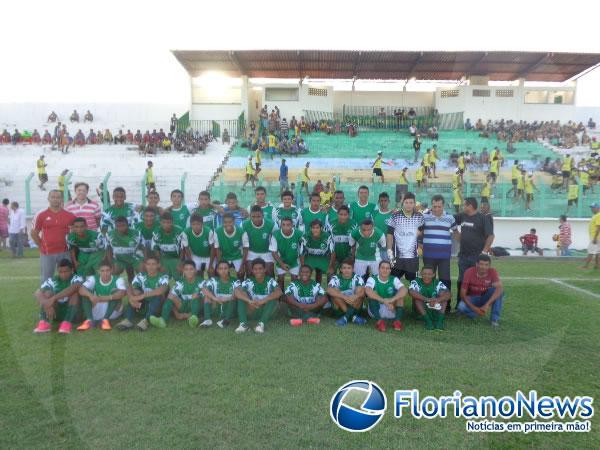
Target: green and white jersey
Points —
{"points": [[379, 219], [344, 285], [359, 212], [146, 283], [321, 246], [199, 244], [385, 289], [124, 244], [257, 238], [340, 234], [91, 242], [146, 233], [223, 290], [169, 244], [209, 216], [258, 291], [55, 285], [230, 245], [267, 210], [366, 246], [332, 216], [181, 216], [288, 247], [431, 290], [304, 293], [128, 210], [282, 213], [186, 290], [308, 215], [95, 285]]}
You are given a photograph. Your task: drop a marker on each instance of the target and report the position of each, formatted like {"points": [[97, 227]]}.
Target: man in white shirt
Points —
{"points": [[17, 230]]}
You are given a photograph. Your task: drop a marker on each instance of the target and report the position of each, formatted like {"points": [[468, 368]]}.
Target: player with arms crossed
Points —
{"points": [[386, 297], [347, 292], [219, 296]]}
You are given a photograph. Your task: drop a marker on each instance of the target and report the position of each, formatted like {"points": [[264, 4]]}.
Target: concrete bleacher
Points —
{"points": [[91, 163]]}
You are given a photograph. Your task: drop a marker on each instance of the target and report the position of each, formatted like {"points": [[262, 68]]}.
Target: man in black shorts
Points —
{"points": [[401, 238], [476, 237]]}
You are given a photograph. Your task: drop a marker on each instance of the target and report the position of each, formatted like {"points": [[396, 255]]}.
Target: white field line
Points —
{"points": [[575, 288]]}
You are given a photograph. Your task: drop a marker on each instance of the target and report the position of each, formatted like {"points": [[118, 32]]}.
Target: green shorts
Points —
{"points": [[124, 262], [317, 262], [169, 266], [89, 263]]}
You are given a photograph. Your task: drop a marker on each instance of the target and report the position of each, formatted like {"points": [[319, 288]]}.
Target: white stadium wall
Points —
{"points": [[289, 108], [388, 98]]}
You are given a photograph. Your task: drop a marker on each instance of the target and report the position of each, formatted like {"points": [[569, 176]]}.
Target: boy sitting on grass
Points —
{"points": [[430, 297], [347, 292], [305, 299], [219, 296], [58, 298]]}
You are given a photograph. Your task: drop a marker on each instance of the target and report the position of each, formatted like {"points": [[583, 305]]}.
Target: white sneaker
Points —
{"points": [[260, 328], [143, 325], [222, 323], [206, 323], [242, 328]]}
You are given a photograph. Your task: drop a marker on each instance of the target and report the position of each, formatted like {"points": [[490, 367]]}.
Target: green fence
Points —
{"points": [[234, 127], [546, 202]]}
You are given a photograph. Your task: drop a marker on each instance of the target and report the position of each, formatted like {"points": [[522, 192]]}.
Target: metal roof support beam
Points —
{"points": [[531, 67], [468, 73], [236, 62]]}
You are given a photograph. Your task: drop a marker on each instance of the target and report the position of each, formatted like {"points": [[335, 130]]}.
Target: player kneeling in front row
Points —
{"points": [[430, 297], [257, 298], [58, 298], [145, 295], [305, 299], [347, 293], [386, 297], [101, 296], [219, 296], [184, 299]]}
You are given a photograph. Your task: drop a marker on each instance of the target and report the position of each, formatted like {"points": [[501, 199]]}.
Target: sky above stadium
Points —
{"points": [[119, 51]]}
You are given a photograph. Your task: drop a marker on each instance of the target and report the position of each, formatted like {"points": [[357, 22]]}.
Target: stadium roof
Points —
{"points": [[388, 65]]}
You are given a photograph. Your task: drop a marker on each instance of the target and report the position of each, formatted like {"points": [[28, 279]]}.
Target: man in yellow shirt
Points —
{"points": [[515, 174], [566, 169], [494, 169], [377, 172], [41, 170], [326, 195], [305, 178], [420, 176], [572, 193], [250, 174], [427, 162], [461, 162], [529, 188], [433, 160], [486, 190], [593, 250], [457, 198], [150, 183]]}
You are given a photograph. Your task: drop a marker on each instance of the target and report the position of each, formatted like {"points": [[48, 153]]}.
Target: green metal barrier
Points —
{"points": [[143, 188], [66, 187], [183, 182], [105, 195], [28, 194]]}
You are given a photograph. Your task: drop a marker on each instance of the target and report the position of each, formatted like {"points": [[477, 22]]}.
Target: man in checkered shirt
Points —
{"points": [[401, 238]]}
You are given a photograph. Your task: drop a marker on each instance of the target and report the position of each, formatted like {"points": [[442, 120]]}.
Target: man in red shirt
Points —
{"points": [[529, 243], [49, 231], [481, 290]]}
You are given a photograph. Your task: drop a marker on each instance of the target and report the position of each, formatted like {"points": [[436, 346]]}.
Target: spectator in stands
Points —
{"points": [[82, 206], [88, 117], [417, 146], [74, 117], [150, 183], [302, 147], [591, 124], [284, 130], [49, 232], [17, 230], [16, 137], [283, 176], [529, 243], [412, 129], [412, 114], [53, 117], [225, 137], [173, 125], [79, 139], [593, 250], [65, 142], [481, 290], [47, 138], [137, 138], [468, 125], [108, 137], [129, 137], [35, 137], [564, 236]]}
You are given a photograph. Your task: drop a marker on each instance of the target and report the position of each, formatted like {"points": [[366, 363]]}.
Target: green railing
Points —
{"points": [[183, 122], [28, 194], [235, 127], [66, 187], [183, 183], [143, 188], [105, 195]]}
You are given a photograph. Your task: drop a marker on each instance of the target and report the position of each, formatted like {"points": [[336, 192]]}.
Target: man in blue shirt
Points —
{"points": [[283, 177], [437, 240]]}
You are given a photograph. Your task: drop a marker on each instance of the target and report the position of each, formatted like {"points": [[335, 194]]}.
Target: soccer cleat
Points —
{"points": [[313, 320], [242, 328], [380, 325], [495, 323], [223, 323], [43, 327], [207, 323], [342, 321], [142, 325], [124, 325], [259, 328], [65, 327], [295, 322], [86, 325], [158, 322], [397, 325], [359, 320], [106, 325], [193, 321]]}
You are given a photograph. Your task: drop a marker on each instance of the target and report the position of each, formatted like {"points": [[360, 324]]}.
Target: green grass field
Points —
{"points": [[212, 388]]}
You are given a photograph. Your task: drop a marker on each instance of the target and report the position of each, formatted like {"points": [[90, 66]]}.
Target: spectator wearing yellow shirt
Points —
{"points": [[572, 193], [421, 176], [427, 162], [305, 178], [433, 160], [529, 188], [272, 145], [457, 198], [515, 174], [61, 184], [593, 250], [566, 169], [494, 169], [150, 183], [460, 162], [486, 190], [377, 172], [585, 180], [250, 173], [326, 195], [41, 170]]}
